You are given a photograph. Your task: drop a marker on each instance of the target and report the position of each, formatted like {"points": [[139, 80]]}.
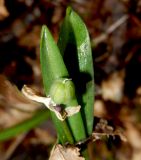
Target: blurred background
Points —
{"points": [[115, 32]]}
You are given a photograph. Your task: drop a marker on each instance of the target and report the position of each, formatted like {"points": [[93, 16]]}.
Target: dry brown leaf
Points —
{"points": [[10, 95], [60, 152], [14, 106], [42, 136], [99, 108], [137, 98], [134, 139], [57, 15], [3, 11], [133, 135], [33, 36], [136, 155], [112, 88]]}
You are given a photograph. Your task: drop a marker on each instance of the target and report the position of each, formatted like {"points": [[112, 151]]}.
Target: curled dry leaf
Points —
{"points": [[3, 11], [60, 152], [60, 112]]}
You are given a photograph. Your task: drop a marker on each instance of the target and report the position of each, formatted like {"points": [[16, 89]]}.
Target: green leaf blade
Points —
{"points": [[25, 126], [52, 67], [74, 45], [52, 64]]}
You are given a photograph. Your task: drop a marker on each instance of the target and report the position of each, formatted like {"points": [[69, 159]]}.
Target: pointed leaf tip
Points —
{"points": [[43, 30], [69, 11]]}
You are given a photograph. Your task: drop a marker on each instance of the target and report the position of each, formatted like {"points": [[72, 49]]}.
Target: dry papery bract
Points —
{"points": [[61, 113], [60, 152]]}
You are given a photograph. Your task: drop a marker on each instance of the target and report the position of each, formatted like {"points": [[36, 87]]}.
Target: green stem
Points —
{"points": [[75, 123], [64, 134]]}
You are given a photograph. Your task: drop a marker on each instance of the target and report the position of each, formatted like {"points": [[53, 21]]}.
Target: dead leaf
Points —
{"points": [[14, 106], [60, 152], [112, 88], [3, 11], [33, 36], [43, 136], [99, 108], [10, 95], [133, 135], [136, 155]]}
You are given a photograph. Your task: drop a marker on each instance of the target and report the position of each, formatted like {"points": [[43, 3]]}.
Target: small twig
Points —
{"points": [[111, 29]]}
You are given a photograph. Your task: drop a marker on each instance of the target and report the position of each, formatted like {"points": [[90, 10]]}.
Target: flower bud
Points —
{"points": [[62, 91]]}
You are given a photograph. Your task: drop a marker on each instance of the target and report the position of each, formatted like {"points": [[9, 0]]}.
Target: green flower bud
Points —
{"points": [[62, 91]]}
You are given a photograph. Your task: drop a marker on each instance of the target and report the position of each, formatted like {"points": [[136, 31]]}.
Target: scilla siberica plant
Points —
{"points": [[68, 79]]}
